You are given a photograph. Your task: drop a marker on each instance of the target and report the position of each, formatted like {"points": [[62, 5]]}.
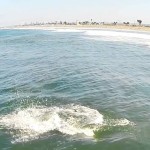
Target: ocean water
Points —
{"points": [[68, 89]]}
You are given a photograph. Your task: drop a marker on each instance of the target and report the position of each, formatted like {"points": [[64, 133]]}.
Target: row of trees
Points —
{"points": [[127, 23], [80, 23], [98, 23]]}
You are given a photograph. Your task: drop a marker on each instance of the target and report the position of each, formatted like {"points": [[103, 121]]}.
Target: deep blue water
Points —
{"points": [[74, 90]]}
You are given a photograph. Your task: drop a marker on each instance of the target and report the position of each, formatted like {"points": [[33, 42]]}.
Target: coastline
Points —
{"points": [[83, 27]]}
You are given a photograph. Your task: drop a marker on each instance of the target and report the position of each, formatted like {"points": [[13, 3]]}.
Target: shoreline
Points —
{"points": [[82, 27]]}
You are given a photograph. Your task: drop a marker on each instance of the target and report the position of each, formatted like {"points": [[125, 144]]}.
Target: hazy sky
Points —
{"points": [[25, 11]]}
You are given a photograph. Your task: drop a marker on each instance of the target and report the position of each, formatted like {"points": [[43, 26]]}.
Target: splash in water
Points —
{"points": [[30, 123]]}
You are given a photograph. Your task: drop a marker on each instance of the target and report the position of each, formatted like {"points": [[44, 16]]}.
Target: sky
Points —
{"points": [[15, 12]]}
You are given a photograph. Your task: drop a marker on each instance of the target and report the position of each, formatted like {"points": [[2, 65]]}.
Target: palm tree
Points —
{"points": [[126, 23], [139, 21], [115, 23]]}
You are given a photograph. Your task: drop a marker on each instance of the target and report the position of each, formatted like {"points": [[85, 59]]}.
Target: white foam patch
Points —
{"points": [[139, 38], [119, 122], [30, 123], [68, 30], [118, 34]]}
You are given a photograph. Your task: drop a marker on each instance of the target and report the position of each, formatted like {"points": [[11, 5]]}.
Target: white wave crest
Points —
{"points": [[131, 37], [118, 34], [30, 123], [70, 119], [118, 122], [68, 30]]}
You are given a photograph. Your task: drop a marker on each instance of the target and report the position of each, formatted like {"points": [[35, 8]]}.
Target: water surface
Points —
{"points": [[74, 89]]}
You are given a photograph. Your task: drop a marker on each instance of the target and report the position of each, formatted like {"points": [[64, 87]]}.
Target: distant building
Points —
{"points": [[77, 23]]}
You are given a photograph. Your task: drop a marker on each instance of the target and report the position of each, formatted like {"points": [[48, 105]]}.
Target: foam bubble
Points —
{"points": [[118, 34], [31, 123], [70, 119], [118, 122], [131, 37], [68, 30]]}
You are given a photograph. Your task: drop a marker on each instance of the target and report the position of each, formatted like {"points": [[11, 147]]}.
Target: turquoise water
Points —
{"points": [[74, 90]]}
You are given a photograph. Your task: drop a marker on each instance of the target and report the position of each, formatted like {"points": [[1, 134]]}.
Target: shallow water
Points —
{"points": [[74, 89]]}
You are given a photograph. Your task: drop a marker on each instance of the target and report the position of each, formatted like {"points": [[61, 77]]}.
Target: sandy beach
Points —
{"points": [[108, 27]]}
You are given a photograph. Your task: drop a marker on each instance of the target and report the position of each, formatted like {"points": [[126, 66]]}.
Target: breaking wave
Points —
{"points": [[30, 123], [69, 30], [131, 37], [118, 34]]}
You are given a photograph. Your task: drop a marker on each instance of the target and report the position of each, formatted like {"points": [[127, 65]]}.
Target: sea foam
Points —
{"points": [[70, 119], [124, 36], [68, 30], [117, 34], [30, 123]]}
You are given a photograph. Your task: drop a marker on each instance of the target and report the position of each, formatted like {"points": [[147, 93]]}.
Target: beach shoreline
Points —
{"points": [[82, 27]]}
